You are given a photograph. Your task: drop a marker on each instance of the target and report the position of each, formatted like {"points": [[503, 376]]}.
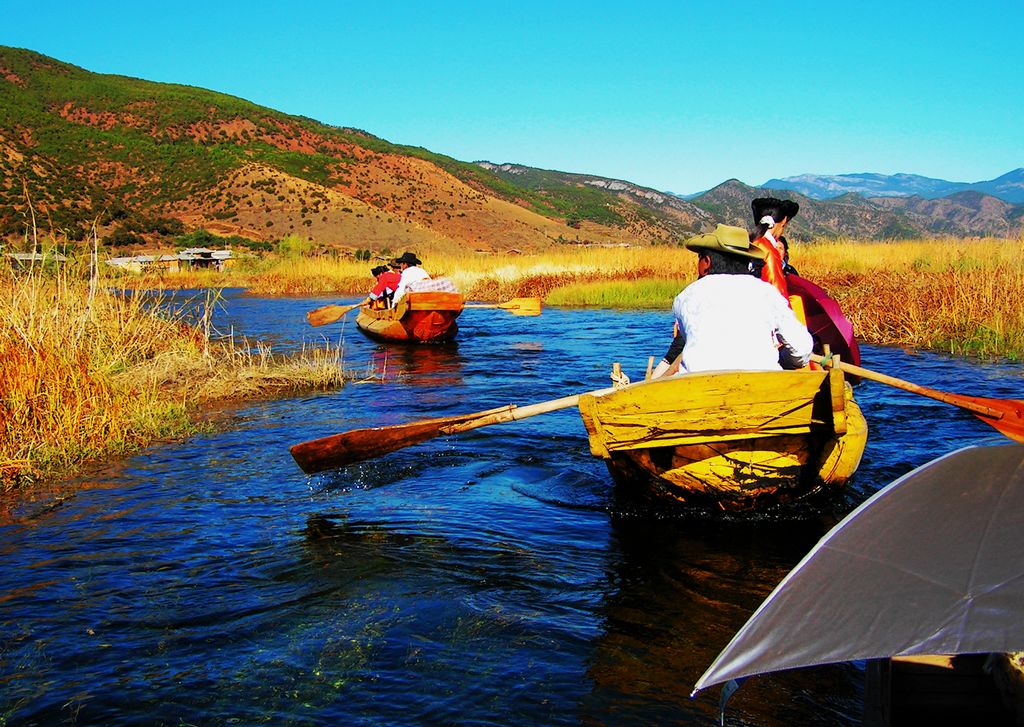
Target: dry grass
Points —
{"points": [[960, 296], [480, 276], [87, 373]]}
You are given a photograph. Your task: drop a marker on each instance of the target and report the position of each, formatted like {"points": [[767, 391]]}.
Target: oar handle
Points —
{"points": [[963, 402], [512, 413]]}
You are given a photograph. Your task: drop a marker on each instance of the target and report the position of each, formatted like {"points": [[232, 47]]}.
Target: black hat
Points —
{"points": [[378, 270], [777, 208], [408, 258]]}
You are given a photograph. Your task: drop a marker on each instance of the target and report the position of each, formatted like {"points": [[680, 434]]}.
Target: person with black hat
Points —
{"points": [[771, 216], [409, 265], [384, 290], [728, 319]]}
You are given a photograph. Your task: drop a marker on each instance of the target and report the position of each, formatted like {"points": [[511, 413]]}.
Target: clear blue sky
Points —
{"points": [[678, 96]]}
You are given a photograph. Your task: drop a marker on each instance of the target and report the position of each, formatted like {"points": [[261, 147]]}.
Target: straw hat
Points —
{"points": [[728, 239]]}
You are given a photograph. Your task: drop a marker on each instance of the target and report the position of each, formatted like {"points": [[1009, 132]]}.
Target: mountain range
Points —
{"points": [[142, 162], [1009, 187]]}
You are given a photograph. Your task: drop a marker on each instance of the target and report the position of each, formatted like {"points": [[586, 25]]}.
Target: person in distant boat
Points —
{"points": [[387, 284], [409, 265], [728, 319], [771, 216]]}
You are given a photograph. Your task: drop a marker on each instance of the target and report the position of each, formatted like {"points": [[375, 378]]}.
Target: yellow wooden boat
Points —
{"points": [[421, 317], [729, 440]]}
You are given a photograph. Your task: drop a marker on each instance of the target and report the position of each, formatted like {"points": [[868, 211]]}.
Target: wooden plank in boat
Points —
{"points": [[435, 301], [713, 407]]}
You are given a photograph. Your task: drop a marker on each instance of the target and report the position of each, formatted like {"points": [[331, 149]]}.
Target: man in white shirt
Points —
{"points": [[728, 319], [409, 266]]}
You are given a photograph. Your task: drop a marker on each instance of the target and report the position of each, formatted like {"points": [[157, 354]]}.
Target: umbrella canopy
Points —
{"points": [[931, 564], [825, 319]]}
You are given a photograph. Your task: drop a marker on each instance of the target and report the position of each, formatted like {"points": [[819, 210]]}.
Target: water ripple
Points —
{"points": [[484, 578]]}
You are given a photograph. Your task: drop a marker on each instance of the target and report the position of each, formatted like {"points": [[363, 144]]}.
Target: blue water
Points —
{"points": [[484, 578]]}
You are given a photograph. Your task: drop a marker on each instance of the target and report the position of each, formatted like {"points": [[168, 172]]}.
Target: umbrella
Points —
{"points": [[825, 319], [931, 564]]}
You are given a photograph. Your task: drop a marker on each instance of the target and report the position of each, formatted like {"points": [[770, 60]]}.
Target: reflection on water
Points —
{"points": [[493, 577], [680, 595], [417, 365]]}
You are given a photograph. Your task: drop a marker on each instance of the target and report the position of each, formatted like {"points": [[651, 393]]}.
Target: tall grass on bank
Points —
{"points": [[481, 277], [954, 295], [87, 373], [961, 297], [654, 294]]}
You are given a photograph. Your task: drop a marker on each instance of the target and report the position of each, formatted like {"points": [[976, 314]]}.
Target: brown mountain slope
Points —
{"points": [[147, 161], [958, 214], [142, 158]]}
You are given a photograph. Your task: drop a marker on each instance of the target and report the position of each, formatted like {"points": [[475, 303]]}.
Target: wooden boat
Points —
{"points": [[419, 317], [732, 440]]}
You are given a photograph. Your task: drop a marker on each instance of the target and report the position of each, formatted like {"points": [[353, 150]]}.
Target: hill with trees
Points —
{"points": [[145, 163]]}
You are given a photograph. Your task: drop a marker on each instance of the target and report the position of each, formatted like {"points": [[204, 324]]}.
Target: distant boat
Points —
{"points": [[732, 441], [418, 317]]}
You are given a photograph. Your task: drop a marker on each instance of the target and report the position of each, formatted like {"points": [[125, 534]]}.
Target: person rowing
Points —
{"points": [[729, 319], [411, 272], [384, 290]]}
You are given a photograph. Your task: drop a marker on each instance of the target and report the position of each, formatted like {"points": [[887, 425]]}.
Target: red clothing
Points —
{"points": [[386, 283], [772, 271]]}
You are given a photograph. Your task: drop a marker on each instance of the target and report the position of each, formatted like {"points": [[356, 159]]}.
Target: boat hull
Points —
{"points": [[730, 441], [428, 317]]}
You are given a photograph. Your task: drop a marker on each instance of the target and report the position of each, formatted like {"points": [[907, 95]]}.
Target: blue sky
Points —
{"points": [[678, 96]]}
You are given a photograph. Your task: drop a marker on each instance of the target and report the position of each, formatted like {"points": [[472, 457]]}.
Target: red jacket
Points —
{"points": [[386, 283]]}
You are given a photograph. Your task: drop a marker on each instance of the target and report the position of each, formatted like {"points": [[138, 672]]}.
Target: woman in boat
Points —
{"points": [[728, 319], [771, 216], [409, 265], [384, 290]]}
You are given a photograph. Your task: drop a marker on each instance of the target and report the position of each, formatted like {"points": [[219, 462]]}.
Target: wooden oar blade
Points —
{"points": [[360, 445], [522, 306], [1011, 423], [326, 314]]}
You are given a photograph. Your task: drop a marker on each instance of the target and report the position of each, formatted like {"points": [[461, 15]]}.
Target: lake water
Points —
{"points": [[486, 578]]}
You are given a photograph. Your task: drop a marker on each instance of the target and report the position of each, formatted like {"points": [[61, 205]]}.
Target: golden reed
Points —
{"points": [[87, 372], [955, 295]]}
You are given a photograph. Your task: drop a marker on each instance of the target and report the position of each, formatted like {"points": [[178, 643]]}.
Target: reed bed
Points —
{"points": [[954, 295], [481, 277], [87, 372], [961, 297]]}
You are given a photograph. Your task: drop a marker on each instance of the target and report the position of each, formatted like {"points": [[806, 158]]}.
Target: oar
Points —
{"points": [[1005, 415], [330, 313], [516, 306], [358, 445]]}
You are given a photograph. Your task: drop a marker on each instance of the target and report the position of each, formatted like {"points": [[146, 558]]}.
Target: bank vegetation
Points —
{"points": [[88, 371], [949, 294]]}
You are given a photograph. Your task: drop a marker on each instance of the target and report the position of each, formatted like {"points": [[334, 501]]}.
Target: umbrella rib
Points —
{"points": [[992, 516], [858, 555]]}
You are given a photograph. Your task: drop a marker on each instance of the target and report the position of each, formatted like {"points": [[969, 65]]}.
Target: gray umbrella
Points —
{"points": [[931, 564]]}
